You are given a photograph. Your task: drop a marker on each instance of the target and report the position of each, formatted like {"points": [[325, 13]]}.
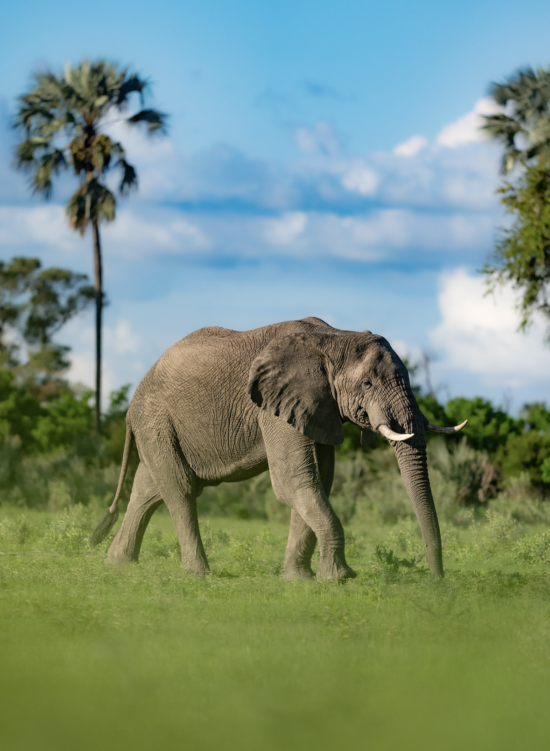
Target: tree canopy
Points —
{"points": [[522, 252], [64, 120], [34, 304]]}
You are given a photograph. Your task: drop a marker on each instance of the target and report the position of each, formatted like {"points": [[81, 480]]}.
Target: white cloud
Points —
{"points": [[121, 339], [287, 228], [479, 334], [32, 225], [123, 359], [147, 231], [165, 230], [320, 137], [134, 233], [411, 146], [468, 127], [361, 179]]}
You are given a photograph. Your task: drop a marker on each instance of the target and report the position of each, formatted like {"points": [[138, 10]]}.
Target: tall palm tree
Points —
{"points": [[63, 120], [523, 128]]}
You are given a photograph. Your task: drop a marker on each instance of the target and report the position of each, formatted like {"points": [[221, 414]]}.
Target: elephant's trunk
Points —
{"points": [[414, 470]]}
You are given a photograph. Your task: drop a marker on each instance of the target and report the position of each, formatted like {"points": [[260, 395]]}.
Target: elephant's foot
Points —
{"points": [[197, 567], [118, 557], [291, 571], [334, 567]]}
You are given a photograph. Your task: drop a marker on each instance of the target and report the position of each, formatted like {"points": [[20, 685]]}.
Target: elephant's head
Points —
{"points": [[317, 381]]}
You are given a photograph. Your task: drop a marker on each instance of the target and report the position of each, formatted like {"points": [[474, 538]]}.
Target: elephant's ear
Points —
{"points": [[288, 379]]}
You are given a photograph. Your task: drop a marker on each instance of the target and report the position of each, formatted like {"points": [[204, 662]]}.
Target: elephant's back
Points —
{"points": [[210, 363]]}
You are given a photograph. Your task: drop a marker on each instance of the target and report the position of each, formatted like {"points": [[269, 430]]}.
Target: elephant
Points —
{"points": [[223, 406]]}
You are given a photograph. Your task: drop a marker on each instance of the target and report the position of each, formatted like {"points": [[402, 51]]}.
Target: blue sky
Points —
{"points": [[323, 159]]}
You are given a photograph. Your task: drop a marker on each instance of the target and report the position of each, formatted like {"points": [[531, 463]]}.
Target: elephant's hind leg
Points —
{"points": [[144, 501], [177, 485]]}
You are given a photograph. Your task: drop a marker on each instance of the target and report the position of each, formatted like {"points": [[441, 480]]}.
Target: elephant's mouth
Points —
{"points": [[362, 419]]}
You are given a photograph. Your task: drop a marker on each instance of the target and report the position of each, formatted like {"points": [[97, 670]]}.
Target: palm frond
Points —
{"points": [[50, 164], [132, 84], [129, 180], [526, 97], [91, 201], [156, 121]]}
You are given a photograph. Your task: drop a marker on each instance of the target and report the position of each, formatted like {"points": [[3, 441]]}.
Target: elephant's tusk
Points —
{"points": [[392, 436], [446, 431]]}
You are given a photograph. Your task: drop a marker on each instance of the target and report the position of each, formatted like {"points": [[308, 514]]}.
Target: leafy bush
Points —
{"points": [[468, 477], [70, 531], [488, 427], [522, 501], [526, 452], [17, 531], [533, 548], [19, 411]]}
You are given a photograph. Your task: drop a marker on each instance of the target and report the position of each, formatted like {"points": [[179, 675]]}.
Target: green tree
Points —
{"points": [[63, 120], [525, 453], [19, 410], [34, 304], [536, 416], [522, 253], [64, 420]]}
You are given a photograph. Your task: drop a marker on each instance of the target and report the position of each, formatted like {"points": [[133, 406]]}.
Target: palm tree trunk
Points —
{"points": [[98, 287]]}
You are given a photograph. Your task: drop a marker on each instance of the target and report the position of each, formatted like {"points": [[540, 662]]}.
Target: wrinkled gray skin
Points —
{"points": [[223, 406]]}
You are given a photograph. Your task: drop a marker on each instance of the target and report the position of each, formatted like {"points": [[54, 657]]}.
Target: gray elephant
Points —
{"points": [[223, 406]]}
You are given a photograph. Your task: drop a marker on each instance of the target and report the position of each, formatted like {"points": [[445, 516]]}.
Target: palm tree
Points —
{"points": [[523, 128], [63, 120]]}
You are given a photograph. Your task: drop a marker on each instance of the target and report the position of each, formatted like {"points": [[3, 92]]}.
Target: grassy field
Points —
{"points": [[146, 657]]}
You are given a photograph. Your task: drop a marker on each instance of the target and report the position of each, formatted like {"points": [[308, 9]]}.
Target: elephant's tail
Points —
{"points": [[109, 518]]}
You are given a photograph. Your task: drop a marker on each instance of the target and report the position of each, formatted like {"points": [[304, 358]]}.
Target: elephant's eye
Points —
{"points": [[367, 383]]}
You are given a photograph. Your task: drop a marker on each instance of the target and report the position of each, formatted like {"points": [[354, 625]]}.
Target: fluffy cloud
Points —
{"points": [[468, 127], [479, 334], [34, 226], [125, 358], [411, 146]]}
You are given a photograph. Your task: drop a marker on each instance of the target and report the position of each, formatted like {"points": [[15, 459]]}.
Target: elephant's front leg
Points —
{"points": [[299, 549], [296, 476]]}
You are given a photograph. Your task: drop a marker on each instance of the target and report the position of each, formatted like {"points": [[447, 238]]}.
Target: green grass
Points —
{"points": [[146, 657]]}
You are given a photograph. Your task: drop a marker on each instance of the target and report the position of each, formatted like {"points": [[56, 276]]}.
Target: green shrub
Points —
{"points": [[525, 453], [533, 548], [460, 475], [488, 427], [16, 531], [69, 532], [63, 421]]}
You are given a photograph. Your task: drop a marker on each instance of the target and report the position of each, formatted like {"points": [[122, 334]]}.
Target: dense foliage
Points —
{"points": [[522, 128], [522, 254]]}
